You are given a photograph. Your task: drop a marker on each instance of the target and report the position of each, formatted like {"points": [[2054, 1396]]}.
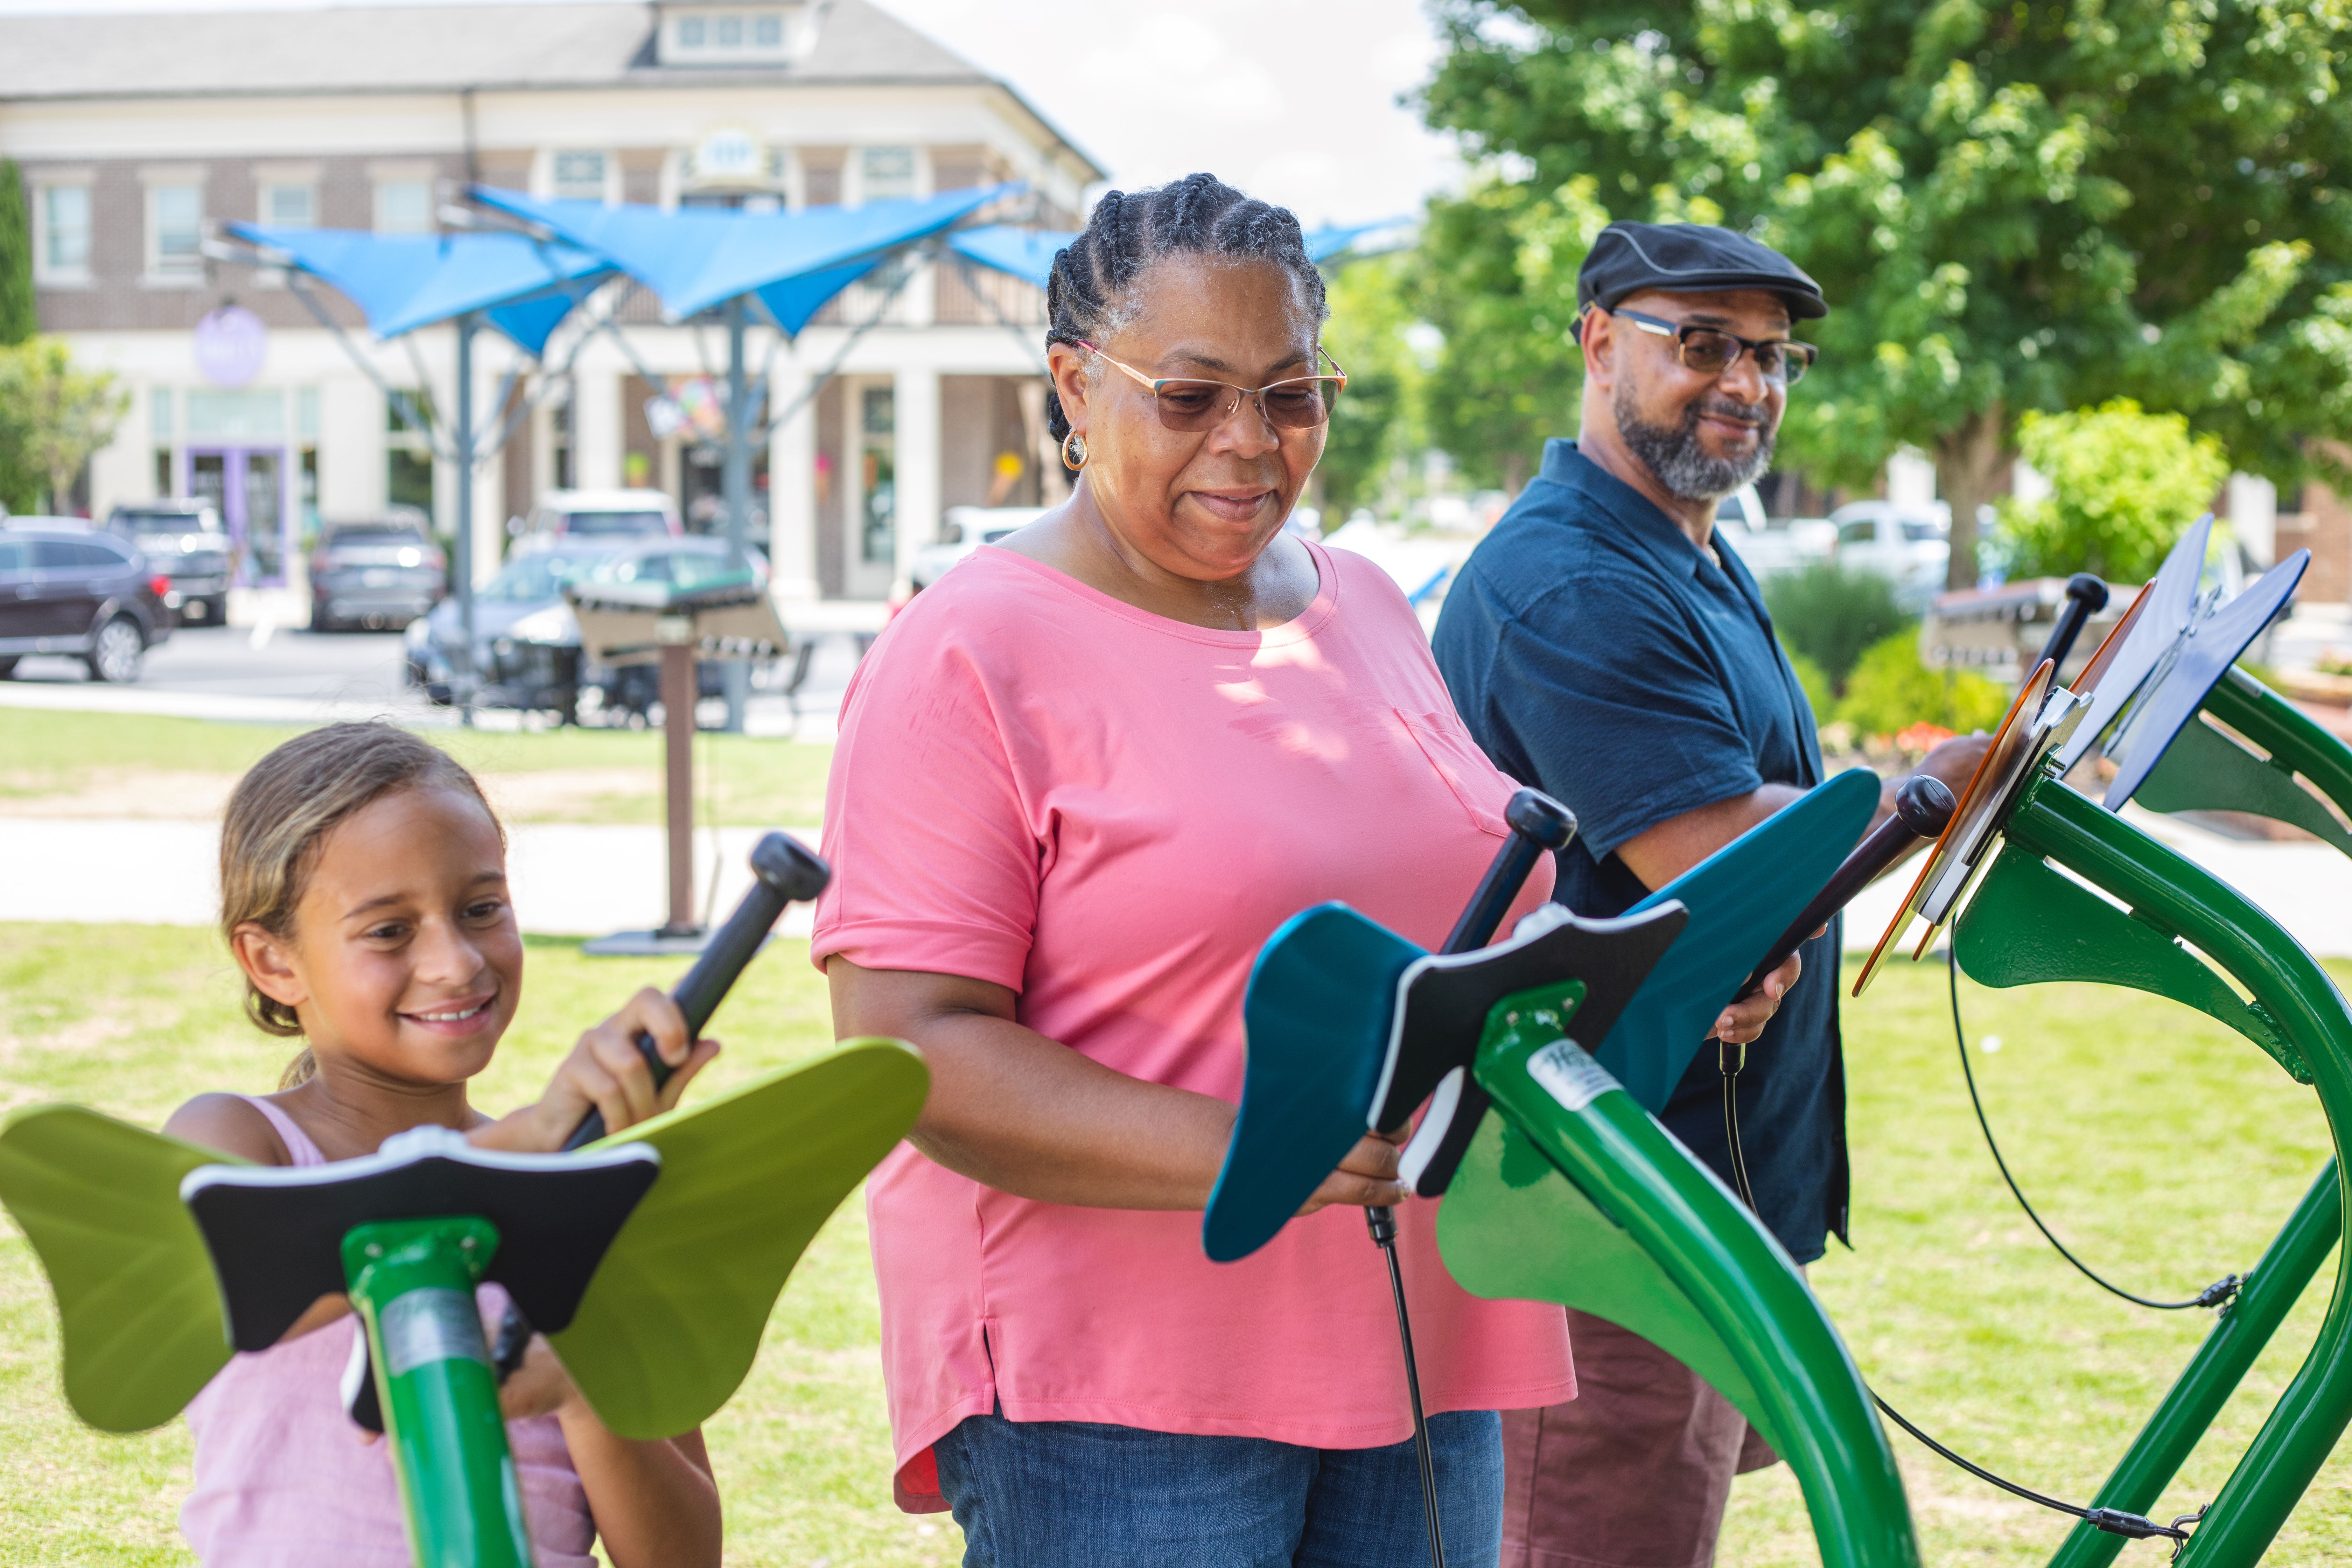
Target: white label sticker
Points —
{"points": [[1569, 1075], [429, 1325]]}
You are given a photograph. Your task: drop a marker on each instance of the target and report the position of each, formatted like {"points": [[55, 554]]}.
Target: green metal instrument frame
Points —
{"points": [[1648, 1236], [412, 1283]]}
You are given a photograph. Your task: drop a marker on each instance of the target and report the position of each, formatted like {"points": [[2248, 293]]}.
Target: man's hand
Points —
{"points": [[1744, 1020], [1955, 761]]}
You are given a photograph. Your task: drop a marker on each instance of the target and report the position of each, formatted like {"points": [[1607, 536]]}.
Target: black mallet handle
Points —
{"points": [[1923, 808], [2085, 597], [783, 872], [1539, 822]]}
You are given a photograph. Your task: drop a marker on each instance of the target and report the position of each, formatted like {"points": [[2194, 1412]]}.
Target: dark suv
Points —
{"points": [[183, 540], [380, 574], [66, 589]]}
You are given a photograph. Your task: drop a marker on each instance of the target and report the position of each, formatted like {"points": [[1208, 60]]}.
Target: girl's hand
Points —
{"points": [[1743, 1021], [539, 1386], [605, 1073], [1367, 1177]]}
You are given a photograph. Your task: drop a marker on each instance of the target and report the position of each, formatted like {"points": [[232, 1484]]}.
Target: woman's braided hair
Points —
{"points": [[1198, 215]]}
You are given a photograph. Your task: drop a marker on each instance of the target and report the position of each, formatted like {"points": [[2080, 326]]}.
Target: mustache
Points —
{"points": [[1731, 408]]}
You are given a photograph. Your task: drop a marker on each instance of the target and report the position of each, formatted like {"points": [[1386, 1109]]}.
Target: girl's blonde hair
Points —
{"points": [[280, 811]]}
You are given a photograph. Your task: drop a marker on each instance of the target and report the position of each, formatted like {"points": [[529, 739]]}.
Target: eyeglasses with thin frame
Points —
{"points": [[1711, 351], [1187, 403]]}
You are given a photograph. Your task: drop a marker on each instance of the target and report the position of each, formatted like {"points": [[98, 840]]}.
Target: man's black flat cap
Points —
{"points": [[1628, 258]]}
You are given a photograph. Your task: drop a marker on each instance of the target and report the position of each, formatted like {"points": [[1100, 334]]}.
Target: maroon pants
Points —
{"points": [[1633, 1472]]}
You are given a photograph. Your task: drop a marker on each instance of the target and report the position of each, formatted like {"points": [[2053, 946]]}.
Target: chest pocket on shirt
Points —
{"points": [[1482, 791]]}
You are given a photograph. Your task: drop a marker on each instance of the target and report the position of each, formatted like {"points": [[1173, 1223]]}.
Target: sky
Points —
{"points": [[1294, 100]]}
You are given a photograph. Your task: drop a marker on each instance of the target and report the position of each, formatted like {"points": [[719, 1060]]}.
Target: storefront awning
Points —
{"points": [[521, 286], [793, 262], [1028, 253]]}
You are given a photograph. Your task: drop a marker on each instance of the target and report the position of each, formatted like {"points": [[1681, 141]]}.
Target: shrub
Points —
{"points": [[2124, 487], [1816, 682], [1829, 614], [1891, 691]]}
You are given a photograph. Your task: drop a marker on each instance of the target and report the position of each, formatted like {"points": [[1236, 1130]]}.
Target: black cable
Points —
{"points": [[1382, 1221], [2217, 1294], [2113, 1520], [1723, 1058]]}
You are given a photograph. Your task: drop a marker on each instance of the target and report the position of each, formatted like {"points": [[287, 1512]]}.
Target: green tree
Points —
{"points": [[2124, 485], [17, 318], [2012, 204], [1379, 417], [52, 417]]}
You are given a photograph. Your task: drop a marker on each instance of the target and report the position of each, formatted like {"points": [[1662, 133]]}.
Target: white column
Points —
{"points": [[916, 415], [792, 487], [596, 440], [352, 478], [2253, 516]]}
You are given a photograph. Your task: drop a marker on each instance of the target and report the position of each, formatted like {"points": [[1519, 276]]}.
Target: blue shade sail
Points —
{"points": [[404, 281], [696, 257]]}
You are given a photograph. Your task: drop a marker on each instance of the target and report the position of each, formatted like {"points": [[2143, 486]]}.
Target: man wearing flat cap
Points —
{"points": [[1606, 647]]}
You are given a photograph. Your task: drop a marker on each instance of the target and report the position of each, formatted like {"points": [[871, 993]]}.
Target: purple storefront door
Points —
{"points": [[249, 485]]}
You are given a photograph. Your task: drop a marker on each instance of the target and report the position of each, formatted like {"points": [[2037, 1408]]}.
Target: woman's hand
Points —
{"points": [[605, 1073], [1744, 1020], [1367, 1177]]}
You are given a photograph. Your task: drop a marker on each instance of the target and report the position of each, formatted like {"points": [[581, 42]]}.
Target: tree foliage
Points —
{"points": [[53, 415], [2123, 485], [17, 318], [1379, 417], [2010, 204]]}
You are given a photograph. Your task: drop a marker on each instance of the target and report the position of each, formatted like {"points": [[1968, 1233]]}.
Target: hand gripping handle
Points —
{"points": [[784, 872], [1923, 808]]}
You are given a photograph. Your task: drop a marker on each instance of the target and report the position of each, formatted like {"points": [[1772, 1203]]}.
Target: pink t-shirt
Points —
{"points": [[1110, 811]]}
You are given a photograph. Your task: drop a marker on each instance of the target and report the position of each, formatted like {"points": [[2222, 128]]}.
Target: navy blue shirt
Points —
{"points": [[1600, 655]]}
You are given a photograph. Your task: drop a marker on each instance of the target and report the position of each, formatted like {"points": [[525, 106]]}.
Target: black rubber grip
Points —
{"points": [[2085, 597], [1537, 823], [1923, 807]]}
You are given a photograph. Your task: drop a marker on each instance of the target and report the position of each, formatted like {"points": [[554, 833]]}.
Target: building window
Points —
{"points": [[176, 230], [767, 31], [877, 440], [403, 206], [732, 35], [61, 249], [408, 450], [886, 174], [691, 33], [580, 176], [730, 32], [290, 206]]}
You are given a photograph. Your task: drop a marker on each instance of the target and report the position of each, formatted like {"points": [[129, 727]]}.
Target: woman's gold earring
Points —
{"points": [[1073, 451]]}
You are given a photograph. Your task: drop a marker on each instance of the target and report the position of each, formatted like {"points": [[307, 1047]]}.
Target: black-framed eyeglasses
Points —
{"points": [[1711, 351]]}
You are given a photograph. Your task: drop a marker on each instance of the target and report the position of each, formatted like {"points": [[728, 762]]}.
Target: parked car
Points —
{"points": [[604, 514], [966, 528], [187, 543], [527, 641], [68, 589], [379, 574], [1771, 545], [1910, 545]]}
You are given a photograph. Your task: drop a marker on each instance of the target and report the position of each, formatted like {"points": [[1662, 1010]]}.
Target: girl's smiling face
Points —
{"points": [[405, 961]]}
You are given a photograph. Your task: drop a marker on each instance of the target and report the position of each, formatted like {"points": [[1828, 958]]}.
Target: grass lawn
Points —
{"points": [[103, 764], [2164, 1147]]}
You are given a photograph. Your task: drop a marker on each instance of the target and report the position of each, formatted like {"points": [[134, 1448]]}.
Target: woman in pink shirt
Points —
{"points": [[1080, 782]]}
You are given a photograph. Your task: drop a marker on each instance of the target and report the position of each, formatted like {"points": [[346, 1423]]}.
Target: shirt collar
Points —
{"points": [[1640, 521]]}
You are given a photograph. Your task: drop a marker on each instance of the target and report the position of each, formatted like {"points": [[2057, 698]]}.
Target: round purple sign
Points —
{"points": [[231, 343]]}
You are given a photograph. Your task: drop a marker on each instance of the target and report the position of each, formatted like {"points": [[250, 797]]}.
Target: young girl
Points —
{"points": [[363, 894]]}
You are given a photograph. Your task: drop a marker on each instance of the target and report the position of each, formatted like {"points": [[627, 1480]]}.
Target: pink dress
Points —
{"points": [[1108, 811], [284, 1481]]}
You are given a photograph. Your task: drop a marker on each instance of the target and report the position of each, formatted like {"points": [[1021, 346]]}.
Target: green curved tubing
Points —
{"points": [[1740, 1281], [2189, 1410], [2284, 731], [2184, 899]]}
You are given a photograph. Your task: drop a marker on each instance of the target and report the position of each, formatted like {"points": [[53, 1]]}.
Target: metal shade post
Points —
{"points": [[738, 481], [678, 684], [462, 574]]}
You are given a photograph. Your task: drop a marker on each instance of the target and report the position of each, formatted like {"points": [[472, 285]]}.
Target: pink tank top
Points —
{"points": [[283, 1479]]}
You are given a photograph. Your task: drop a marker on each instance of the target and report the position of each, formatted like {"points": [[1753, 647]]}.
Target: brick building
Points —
{"points": [[138, 135]]}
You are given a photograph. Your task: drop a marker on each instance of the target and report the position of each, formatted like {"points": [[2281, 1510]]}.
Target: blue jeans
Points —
{"points": [[1077, 1494]]}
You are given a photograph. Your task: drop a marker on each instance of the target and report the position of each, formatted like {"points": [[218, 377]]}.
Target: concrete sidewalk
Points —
{"points": [[589, 880], [568, 880]]}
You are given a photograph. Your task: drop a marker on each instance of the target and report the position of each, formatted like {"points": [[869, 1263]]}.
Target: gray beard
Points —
{"points": [[1672, 454]]}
